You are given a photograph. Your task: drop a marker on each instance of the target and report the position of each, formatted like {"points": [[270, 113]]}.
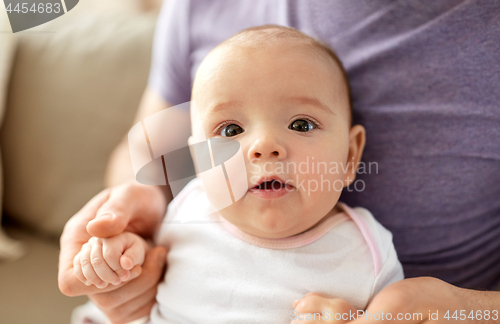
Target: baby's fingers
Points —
{"points": [[317, 308], [112, 251], [77, 270], [133, 255], [101, 267], [87, 268]]}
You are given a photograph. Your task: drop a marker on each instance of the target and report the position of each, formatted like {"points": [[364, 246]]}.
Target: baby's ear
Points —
{"points": [[357, 140]]}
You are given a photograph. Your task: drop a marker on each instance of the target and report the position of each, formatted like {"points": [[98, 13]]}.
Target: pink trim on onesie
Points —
{"points": [[312, 235], [367, 234], [291, 242]]}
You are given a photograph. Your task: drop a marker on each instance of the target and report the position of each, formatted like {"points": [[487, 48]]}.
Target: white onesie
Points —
{"points": [[219, 274]]}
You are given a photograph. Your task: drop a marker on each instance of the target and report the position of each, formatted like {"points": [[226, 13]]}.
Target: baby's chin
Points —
{"points": [[267, 226]]}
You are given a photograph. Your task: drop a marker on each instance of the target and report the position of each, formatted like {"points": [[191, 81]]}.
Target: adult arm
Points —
{"points": [[426, 296], [134, 207], [127, 206], [423, 295]]}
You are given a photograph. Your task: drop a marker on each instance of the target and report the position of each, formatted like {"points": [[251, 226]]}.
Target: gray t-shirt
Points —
{"points": [[425, 79]]}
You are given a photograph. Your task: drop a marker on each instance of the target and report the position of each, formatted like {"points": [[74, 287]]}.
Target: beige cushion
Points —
{"points": [[72, 97], [29, 293], [9, 249]]}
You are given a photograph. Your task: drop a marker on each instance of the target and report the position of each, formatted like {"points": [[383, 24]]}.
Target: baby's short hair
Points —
{"points": [[260, 36]]}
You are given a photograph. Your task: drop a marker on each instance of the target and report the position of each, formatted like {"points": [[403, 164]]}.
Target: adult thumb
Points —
{"points": [[114, 214], [135, 207], [108, 224]]}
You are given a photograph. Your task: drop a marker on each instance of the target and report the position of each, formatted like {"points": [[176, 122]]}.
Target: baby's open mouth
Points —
{"points": [[271, 188], [270, 185]]}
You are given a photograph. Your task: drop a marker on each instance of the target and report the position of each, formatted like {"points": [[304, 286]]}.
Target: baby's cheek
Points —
{"points": [[319, 184]]}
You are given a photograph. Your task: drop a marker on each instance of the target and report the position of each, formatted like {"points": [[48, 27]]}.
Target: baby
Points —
{"points": [[286, 246]]}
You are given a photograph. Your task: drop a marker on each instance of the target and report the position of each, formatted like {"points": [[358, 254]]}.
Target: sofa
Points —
{"points": [[69, 90]]}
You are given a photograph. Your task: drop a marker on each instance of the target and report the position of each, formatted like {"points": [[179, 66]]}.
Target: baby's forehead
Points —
{"points": [[256, 43], [246, 49], [274, 38], [261, 37]]}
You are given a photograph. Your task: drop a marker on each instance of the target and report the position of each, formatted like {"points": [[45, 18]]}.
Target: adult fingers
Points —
{"points": [[133, 207], [133, 309], [399, 302]]}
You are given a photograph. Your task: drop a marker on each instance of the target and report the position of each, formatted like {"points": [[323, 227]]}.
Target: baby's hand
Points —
{"points": [[102, 261], [324, 307]]}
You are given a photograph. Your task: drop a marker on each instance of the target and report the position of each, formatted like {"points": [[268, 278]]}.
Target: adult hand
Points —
{"points": [[129, 207], [430, 300]]}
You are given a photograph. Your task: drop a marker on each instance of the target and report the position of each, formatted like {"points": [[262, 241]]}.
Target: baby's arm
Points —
{"points": [[102, 261]]}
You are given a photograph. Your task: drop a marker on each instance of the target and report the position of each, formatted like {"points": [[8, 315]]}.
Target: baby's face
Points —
{"points": [[288, 108]]}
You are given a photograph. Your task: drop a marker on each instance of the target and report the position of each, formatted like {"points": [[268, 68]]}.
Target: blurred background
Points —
{"points": [[69, 90]]}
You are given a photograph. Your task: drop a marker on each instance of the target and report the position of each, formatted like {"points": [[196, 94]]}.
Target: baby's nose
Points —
{"points": [[258, 154], [266, 148]]}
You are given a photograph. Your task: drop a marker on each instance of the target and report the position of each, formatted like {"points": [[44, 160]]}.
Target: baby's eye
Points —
{"points": [[301, 125], [231, 130]]}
